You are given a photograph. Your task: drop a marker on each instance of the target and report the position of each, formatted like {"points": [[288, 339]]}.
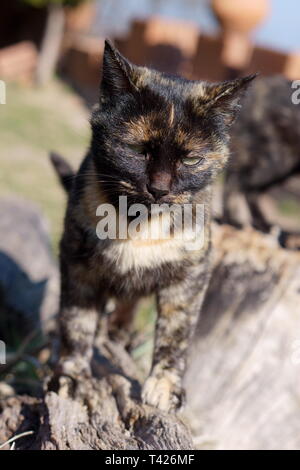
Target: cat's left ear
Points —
{"points": [[225, 97], [117, 73]]}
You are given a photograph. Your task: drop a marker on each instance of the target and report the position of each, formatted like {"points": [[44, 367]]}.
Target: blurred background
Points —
{"points": [[50, 62]]}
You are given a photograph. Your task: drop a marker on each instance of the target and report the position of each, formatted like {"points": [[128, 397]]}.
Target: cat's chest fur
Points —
{"points": [[131, 267], [137, 255], [151, 247]]}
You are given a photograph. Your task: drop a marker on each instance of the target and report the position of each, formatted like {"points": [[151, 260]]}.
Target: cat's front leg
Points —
{"points": [[178, 309], [78, 318], [78, 327]]}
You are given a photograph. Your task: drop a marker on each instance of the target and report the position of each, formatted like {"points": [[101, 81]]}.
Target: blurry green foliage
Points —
{"points": [[289, 206], [45, 3]]}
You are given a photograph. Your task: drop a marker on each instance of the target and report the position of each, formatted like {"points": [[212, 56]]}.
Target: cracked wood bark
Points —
{"points": [[243, 384], [106, 413]]}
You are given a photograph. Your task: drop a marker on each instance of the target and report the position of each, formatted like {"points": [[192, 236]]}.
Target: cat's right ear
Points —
{"points": [[117, 72]]}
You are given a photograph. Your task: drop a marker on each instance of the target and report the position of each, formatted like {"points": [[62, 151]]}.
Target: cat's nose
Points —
{"points": [[157, 192]]}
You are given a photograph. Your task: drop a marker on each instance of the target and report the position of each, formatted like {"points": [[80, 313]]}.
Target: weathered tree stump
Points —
{"points": [[243, 384], [29, 277], [106, 413]]}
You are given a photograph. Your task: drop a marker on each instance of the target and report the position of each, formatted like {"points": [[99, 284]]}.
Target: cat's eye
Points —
{"points": [[138, 149], [192, 161]]}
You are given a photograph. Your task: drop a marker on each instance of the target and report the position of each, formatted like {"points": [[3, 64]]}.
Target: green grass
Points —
{"points": [[39, 118], [289, 207], [33, 122]]}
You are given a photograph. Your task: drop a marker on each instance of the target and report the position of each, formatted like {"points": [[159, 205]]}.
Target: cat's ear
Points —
{"points": [[117, 72], [225, 97]]}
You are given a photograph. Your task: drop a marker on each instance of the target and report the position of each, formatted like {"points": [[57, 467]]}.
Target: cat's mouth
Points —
{"points": [[166, 200], [142, 196]]}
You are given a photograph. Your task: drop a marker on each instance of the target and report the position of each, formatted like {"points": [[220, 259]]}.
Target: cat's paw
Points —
{"points": [[76, 367], [163, 393], [68, 375]]}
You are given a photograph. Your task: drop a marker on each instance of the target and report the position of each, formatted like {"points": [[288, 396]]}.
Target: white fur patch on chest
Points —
{"points": [[145, 251], [134, 254]]}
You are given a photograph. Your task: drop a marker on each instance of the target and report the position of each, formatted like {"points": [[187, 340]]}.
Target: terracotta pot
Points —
{"points": [[79, 19], [240, 15], [238, 18]]}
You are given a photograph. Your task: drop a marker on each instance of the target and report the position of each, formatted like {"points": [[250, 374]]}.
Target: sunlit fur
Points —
{"points": [[165, 118], [265, 149], [143, 128]]}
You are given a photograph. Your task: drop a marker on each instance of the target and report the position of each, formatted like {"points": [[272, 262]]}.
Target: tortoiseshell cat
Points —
{"points": [[265, 149], [155, 139]]}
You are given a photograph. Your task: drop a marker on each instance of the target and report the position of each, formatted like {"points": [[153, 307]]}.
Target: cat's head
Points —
{"points": [[158, 138]]}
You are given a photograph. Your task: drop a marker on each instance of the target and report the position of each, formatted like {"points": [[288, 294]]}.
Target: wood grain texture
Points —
{"points": [[243, 381], [104, 413]]}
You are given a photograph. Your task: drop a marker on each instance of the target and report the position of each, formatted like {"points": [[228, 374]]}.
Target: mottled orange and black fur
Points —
{"points": [[265, 148], [145, 128]]}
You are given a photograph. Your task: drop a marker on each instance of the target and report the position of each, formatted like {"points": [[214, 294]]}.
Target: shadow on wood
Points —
{"points": [[242, 384]]}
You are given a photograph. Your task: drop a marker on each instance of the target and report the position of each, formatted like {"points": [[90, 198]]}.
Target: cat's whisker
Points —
{"points": [[81, 175], [162, 145]]}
